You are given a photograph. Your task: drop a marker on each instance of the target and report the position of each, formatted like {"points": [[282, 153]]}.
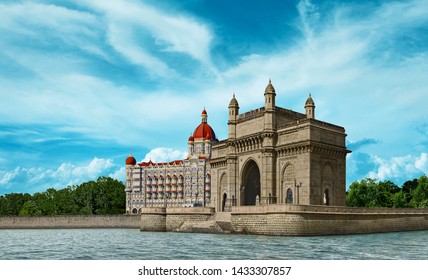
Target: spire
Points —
{"points": [[204, 116]]}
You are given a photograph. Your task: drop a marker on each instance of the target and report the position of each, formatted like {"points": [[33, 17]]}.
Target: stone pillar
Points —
{"points": [[232, 184], [268, 191]]}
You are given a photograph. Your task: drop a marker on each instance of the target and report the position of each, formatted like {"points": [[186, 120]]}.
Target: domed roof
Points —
{"points": [[130, 160], [233, 102], [204, 130], [269, 87], [310, 101], [191, 138]]}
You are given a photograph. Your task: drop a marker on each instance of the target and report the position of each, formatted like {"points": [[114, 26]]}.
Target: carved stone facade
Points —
{"points": [[272, 156], [276, 156]]}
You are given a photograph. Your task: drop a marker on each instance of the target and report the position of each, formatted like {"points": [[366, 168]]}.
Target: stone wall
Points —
{"points": [[297, 220], [171, 219], [153, 219], [94, 221], [290, 220]]}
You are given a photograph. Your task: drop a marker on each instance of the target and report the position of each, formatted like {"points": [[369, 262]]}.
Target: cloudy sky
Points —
{"points": [[83, 82]]}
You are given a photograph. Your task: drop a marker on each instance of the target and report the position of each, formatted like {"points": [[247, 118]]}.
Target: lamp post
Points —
{"points": [[297, 186]]}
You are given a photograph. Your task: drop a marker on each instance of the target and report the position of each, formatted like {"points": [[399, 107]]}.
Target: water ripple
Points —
{"points": [[130, 244]]}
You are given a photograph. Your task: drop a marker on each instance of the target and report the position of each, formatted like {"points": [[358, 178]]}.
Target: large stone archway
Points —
{"points": [[250, 190]]}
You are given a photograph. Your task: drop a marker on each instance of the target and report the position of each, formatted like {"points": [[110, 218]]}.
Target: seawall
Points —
{"points": [[289, 220], [92, 221]]}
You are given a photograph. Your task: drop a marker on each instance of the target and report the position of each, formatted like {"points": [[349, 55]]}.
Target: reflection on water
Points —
{"points": [[131, 244]]}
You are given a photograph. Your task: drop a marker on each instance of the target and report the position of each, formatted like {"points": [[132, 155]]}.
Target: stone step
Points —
{"points": [[222, 216], [226, 227]]}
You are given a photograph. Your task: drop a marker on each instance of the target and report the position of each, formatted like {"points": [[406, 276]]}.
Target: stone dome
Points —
{"points": [[233, 102], [269, 87], [310, 101]]}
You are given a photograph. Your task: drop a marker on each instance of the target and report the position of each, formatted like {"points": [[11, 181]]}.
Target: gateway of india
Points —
{"points": [[272, 155]]}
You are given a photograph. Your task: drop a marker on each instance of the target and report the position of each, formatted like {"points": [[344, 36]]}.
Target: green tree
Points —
{"points": [[30, 208], [65, 201], [420, 194], [370, 193], [11, 204], [399, 200]]}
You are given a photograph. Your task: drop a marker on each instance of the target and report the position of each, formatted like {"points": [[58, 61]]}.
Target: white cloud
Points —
{"points": [[404, 167], [119, 174], [129, 23], [422, 163], [35, 179], [162, 154]]}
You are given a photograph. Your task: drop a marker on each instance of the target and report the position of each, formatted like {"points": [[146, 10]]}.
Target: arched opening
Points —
{"points": [[250, 184], [289, 196], [288, 183], [328, 185], [221, 204], [134, 211], [326, 198]]}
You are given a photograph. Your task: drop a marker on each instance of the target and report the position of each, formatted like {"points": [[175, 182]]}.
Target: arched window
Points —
{"points": [[289, 197], [326, 198]]}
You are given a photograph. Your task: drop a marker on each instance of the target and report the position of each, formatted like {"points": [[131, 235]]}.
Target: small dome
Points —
{"points": [[130, 160], [269, 87], [204, 112], [310, 101], [191, 138], [233, 102]]}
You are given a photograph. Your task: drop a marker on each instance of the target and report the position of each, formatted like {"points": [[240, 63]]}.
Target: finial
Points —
{"points": [[310, 95], [270, 81], [130, 152], [233, 95]]}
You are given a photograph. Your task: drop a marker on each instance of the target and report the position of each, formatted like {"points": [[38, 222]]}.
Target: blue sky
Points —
{"points": [[83, 82]]}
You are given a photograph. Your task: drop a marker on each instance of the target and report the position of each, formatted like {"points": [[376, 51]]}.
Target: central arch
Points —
{"points": [[250, 191]]}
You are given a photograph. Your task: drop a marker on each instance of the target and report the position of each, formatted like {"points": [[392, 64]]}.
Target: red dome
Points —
{"points": [[205, 132], [130, 160], [204, 112], [191, 138]]}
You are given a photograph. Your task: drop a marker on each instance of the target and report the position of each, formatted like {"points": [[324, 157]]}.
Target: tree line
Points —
{"points": [[373, 193], [107, 196], [101, 197]]}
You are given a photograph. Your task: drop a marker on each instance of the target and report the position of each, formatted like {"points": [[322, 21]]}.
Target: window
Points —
{"points": [[289, 197]]}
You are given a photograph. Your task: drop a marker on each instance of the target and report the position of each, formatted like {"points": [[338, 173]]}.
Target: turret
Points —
{"points": [[233, 116], [270, 97], [269, 115], [310, 108]]}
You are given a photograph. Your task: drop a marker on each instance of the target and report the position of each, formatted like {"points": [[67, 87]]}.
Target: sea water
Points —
{"points": [[131, 244]]}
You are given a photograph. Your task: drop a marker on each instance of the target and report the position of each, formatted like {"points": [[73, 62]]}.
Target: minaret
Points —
{"points": [[233, 116], [269, 115], [310, 108], [270, 97]]}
